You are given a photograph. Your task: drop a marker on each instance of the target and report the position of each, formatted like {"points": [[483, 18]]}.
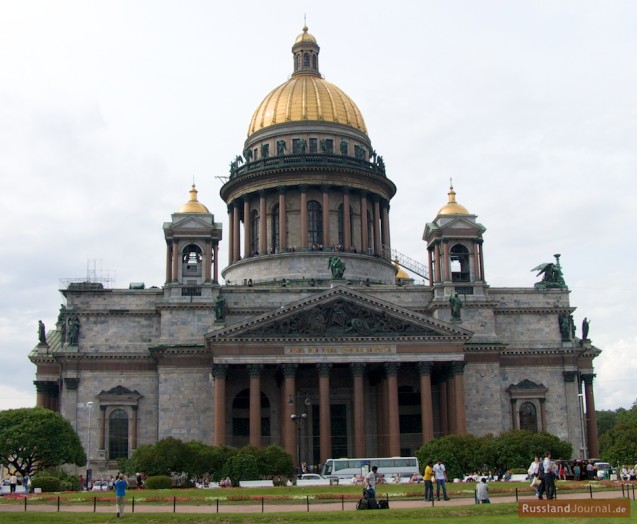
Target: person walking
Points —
{"points": [[429, 486], [120, 494], [370, 482], [440, 473]]}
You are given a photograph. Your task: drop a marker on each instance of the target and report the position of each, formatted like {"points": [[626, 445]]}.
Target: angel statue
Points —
{"points": [[552, 275]]}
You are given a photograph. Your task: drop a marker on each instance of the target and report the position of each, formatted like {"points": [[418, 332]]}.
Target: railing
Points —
{"points": [[404, 261], [307, 159]]}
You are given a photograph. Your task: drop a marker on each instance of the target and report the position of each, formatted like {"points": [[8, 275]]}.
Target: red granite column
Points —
{"points": [[254, 370], [393, 422], [176, 258], [445, 260], [364, 239], [437, 273], [358, 372], [283, 234], [459, 408], [231, 235], [476, 262], [236, 231], [426, 407], [326, 216], [591, 418], [514, 414], [169, 265], [432, 273], [208, 261], [288, 428], [325, 416], [219, 372], [304, 217], [377, 244], [263, 224], [482, 277], [216, 263], [386, 238], [247, 229]]}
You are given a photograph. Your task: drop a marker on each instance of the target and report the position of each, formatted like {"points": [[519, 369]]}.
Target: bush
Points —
{"points": [[241, 467], [158, 482], [46, 484]]}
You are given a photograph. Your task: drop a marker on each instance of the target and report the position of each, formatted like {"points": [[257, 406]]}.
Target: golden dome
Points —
{"points": [[305, 37], [401, 274], [452, 207], [306, 96], [193, 205]]}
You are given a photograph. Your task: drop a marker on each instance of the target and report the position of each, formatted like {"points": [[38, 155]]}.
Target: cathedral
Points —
{"points": [[312, 335]]}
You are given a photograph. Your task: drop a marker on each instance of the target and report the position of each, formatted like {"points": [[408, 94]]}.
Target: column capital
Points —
{"points": [[357, 368], [71, 383], [457, 368], [289, 370], [514, 401], [570, 376], [588, 378], [46, 386], [219, 370], [391, 368], [345, 189], [103, 408], [254, 370], [425, 368], [304, 187], [324, 369]]}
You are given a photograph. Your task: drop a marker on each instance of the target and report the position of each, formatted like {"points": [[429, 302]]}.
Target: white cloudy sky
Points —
{"points": [[108, 109]]}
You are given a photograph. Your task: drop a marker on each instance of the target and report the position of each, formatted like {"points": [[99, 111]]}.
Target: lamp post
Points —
{"points": [[88, 445], [580, 398], [299, 420]]}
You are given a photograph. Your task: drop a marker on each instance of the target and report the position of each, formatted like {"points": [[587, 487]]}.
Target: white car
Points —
{"points": [[100, 485]]}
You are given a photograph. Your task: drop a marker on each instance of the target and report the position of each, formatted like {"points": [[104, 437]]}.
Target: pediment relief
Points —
{"points": [[190, 223], [341, 313]]}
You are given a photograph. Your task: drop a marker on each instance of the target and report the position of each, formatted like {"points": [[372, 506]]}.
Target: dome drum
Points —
{"points": [[309, 265]]}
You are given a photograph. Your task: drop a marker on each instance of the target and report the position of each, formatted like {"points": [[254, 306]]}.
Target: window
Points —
{"points": [[306, 60], [528, 417], [341, 226], [313, 145], [254, 234], [314, 223], [370, 231], [117, 434], [459, 263]]}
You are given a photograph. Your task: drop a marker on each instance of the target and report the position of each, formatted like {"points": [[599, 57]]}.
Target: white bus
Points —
{"points": [[387, 466]]}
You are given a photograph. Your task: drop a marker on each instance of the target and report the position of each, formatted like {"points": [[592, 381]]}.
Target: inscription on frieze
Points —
{"points": [[339, 350]]}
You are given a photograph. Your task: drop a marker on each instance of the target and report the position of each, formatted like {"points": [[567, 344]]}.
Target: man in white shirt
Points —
{"points": [[440, 473], [370, 482], [482, 492]]}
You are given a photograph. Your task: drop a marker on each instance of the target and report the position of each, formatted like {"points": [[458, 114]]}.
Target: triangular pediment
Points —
{"points": [[190, 222], [341, 314]]}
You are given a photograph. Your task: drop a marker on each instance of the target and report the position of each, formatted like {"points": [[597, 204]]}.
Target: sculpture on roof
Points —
{"points": [[585, 327], [74, 330], [337, 267], [220, 308], [552, 275], [41, 332], [455, 303]]}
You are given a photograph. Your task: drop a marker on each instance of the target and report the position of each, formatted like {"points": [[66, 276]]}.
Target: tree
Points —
{"points": [[241, 467], [35, 439]]}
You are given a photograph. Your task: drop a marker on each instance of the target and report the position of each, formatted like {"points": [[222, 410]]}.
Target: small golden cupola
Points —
{"points": [[452, 207], [193, 205]]}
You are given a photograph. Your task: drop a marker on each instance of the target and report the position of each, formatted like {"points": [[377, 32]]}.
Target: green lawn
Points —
{"points": [[494, 513]]}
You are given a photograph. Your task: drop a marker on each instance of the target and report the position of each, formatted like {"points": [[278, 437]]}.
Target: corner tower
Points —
{"points": [[308, 186], [454, 246]]}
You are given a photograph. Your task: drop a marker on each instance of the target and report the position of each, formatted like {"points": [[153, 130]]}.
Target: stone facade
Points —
{"points": [[379, 365]]}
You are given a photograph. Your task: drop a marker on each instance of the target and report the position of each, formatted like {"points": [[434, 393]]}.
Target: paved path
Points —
{"points": [[277, 506]]}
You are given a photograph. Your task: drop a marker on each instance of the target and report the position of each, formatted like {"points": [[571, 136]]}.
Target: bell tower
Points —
{"points": [[454, 246], [192, 247]]}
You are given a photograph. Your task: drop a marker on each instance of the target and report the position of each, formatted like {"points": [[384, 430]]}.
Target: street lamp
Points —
{"points": [[299, 420], [88, 440]]}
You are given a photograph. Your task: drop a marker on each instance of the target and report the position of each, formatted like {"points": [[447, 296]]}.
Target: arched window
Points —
{"points": [[313, 61], [528, 417], [275, 228], [314, 223], [254, 233], [341, 225], [117, 434], [460, 264], [192, 261], [306, 60]]}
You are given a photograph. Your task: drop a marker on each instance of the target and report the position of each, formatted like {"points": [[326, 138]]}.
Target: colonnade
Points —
{"points": [[373, 231], [439, 255], [210, 259], [451, 407]]}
